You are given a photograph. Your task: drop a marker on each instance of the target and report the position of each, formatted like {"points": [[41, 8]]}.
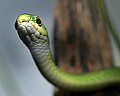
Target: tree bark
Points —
{"points": [[81, 41]]}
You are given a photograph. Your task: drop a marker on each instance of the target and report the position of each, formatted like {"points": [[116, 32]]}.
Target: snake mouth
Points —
{"points": [[29, 34]]}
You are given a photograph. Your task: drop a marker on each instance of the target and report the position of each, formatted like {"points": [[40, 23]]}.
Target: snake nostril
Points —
{"points": [[16, 25]]}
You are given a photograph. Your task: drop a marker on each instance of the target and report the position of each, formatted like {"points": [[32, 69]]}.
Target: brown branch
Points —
{"points": [[81, 41]]}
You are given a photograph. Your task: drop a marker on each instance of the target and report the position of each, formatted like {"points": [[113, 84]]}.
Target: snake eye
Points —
{"points": [[38, 21]]}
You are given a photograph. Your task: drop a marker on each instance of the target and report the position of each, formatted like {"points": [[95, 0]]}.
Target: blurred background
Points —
{"points": [[18, 73]]}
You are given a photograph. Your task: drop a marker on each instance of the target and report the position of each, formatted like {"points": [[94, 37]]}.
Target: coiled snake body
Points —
{"points": [[33, 33]]}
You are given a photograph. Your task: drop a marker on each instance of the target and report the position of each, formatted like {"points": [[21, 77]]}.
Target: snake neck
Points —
{"points": [[43, 58], [41, 54]]}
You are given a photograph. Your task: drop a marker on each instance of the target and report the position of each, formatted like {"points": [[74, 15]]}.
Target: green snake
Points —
{"points": [[34, 35]]}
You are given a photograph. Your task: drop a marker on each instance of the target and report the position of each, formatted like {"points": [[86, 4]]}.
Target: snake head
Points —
{"points": [[30, 29]]}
